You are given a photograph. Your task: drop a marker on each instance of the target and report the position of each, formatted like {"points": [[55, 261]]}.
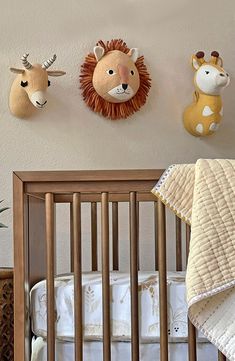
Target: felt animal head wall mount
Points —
{"points": [[203, 116], [28, 91], [114, 80]]}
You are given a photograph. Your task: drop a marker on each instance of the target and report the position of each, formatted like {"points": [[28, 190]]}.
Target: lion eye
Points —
{"points": [[24, 83], [110, 72], [132, 72], [49, 83], [207, 72]]}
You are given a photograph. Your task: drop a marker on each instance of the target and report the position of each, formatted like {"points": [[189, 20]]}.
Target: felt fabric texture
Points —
{"points": [[203, 116], [112, 70], [204, 195], [22, 103], [202, 125]]}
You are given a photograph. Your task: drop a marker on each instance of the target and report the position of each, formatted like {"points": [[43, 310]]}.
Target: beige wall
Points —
{"points": [[67, 135]]}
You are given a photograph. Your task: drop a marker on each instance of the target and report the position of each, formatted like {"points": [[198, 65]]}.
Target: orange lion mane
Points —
{"points": [[96, 102]]}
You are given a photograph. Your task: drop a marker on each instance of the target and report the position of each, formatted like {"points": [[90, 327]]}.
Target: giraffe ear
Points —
{"points": [[195, 62], [220, 62]]}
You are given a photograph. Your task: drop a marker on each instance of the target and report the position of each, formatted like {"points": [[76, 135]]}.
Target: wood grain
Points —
{"points": [[78, 324], [161, 226], [50, 248], [134, 278], [105, 277]]}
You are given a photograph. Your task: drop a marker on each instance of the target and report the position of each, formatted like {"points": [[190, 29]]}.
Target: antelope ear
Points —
{"points": [[99, 52], [55, 72], [17, 71], [133, 54], [195, 62]]}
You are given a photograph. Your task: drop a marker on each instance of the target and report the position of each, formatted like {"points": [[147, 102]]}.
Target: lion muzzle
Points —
{"points": [[121, 94]]}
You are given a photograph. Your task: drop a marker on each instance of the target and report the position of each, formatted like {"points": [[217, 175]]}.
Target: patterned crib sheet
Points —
{"points": [[120, 307], [93, 351]]}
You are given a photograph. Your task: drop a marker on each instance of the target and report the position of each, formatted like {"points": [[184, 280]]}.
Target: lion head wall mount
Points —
{"points": [[114, 80]]}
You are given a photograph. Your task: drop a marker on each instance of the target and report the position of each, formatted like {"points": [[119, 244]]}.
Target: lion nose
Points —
{"points": [[124, 86]]}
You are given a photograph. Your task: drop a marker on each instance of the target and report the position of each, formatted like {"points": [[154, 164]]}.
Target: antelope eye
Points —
{"points": [[49, 83], [110, 72], [207, 72], [132, 72], [24, 84]]}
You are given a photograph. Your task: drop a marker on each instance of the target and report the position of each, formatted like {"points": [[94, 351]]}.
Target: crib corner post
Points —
{"points": [[20, 206]]}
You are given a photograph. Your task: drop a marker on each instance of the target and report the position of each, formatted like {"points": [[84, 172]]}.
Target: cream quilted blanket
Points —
{"points": [[203, 195]]}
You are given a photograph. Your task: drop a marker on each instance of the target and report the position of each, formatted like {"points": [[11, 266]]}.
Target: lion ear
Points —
{"points": [[99, 52], [133, 54]]}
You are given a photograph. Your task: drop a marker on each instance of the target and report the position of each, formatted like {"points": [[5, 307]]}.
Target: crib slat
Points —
{"points": [[161, 227], [115, 236], [138, 231], [94, 253], [192, 344], [50, 247], [134, 277], [77, 277], [105, 276], [221, 357], [71, 239], [192, 337], [178, 244], [156, 234], [188, 232]]}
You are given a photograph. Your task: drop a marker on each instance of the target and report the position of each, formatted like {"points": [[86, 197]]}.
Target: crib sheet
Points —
{"points": [[120, 307], [122, 351]]}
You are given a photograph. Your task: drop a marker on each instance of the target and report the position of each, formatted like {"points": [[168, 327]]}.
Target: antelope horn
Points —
{"points": [[49, 62], [25, 62]]}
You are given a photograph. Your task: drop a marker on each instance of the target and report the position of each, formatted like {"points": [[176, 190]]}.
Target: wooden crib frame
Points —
{"points": [[35, 194]]}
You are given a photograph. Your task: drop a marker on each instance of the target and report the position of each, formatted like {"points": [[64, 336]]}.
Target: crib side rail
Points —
{"points": [[34, 261]]}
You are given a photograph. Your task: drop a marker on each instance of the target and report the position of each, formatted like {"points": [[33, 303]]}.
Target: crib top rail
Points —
{"points": [[90, 184]]}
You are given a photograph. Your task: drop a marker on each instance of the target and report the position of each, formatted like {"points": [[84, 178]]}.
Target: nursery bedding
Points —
{"points": [[204, 196], [121, 351], [120, 306]]}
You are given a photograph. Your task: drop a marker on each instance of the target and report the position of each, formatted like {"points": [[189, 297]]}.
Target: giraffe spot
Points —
{"points": [[199, 128], [207, 111], [214, 127]]}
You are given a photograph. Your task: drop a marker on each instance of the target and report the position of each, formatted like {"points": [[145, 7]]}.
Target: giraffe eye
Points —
{"points": [[49, 83], [24, 83], [207, 72]]}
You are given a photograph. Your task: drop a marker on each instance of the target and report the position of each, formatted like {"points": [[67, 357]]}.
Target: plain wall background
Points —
{"points": [[67, 135]]}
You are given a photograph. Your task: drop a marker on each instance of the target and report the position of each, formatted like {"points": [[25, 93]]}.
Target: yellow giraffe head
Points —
{"points": [[210, 77]]}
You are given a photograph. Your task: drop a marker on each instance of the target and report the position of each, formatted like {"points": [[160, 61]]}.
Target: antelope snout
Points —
{"points": [[38, 99]]}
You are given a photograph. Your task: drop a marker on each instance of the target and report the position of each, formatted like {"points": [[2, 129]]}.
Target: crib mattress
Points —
{"points": [[93, 351], [120, 307]]}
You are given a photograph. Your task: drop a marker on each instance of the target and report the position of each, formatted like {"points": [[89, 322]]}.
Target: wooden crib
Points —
{"points": [[35, 196]]}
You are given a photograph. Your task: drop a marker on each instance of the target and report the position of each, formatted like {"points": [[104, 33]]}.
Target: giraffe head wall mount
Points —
{"points": [[203, 116]]}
